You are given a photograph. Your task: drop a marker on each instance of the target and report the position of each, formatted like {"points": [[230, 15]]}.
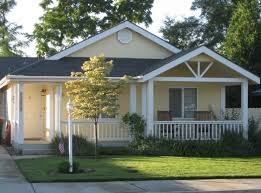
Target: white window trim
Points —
{"points": [[182, 101]]}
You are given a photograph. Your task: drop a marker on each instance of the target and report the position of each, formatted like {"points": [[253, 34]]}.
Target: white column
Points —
{"points": [[150, 107], [19, 113], [57, 108], [244, 107], [49, 116], [222, 102], [133, 98], [144, 100]]}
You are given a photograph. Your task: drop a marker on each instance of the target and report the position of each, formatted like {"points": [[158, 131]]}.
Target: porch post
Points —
{"points": [[244, 107], [20, 113], [133, 100], [57, 109], [222, 102], [144, 100], [150, 107]]}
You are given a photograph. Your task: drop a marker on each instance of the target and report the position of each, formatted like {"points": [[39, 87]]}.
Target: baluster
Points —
{"points": [[216, 131], [174, 131], [209, 130], [171, 131]]}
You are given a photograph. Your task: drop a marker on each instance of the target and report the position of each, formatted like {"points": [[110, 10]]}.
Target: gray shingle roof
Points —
{"points": [[10, 64], [64, 67]]}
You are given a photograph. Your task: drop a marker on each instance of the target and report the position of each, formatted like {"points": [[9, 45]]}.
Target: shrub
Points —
{"points": [[64, 166], [254, 135], [80, 145], [235, 144], [231, 144], [114, 150], [136, 124]]}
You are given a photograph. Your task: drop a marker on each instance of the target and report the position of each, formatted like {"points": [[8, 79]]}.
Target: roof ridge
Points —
{"points": [[26, 66]]}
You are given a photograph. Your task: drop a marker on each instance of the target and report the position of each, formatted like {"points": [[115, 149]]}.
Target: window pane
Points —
{"points": [[175, 102], [190, 102]]}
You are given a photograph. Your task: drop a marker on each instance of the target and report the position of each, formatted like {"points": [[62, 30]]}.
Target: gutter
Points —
{"points": [[48, 79]]}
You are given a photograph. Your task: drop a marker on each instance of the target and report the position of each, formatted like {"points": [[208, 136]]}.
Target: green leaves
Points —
{"points": [[66, 22], [244, 35], [92, 92], [10, 45]]}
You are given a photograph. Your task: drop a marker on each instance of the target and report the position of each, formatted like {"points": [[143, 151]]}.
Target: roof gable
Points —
{"points": [[181, 57], [111, 31]]}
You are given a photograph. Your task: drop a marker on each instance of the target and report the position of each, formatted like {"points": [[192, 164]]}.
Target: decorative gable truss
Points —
{"points": [[199, 74]]}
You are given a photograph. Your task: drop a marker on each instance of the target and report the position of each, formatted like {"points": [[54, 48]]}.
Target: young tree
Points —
{"points": [[93, 93], [10, 45], [66, 22], [243, 41]]}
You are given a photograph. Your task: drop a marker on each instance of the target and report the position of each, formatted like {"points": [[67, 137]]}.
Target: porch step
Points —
{"points": [[37, 149]]}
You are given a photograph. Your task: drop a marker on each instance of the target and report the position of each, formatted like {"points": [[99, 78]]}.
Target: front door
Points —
{"points": [[33, 112]]}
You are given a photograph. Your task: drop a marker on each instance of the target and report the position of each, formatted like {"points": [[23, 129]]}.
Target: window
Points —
{"points": [[182, 102]]}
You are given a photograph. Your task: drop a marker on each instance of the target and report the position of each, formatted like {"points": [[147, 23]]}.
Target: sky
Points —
{"points": [[27, 13]]}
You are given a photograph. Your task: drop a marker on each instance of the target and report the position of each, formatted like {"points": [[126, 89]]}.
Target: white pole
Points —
{"points": [[69, 108]]}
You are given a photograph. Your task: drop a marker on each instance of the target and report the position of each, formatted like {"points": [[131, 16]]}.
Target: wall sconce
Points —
{"points": [[43, 92]]}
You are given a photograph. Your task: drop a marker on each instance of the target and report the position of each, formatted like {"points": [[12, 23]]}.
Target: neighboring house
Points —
{"points": [[181, 94]]}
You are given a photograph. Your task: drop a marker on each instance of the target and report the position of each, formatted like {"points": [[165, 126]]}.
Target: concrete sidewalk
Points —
{"points": [[12, 181], [167, 186]]}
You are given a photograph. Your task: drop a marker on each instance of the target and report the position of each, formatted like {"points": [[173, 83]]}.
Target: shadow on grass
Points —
{"points": [[123, 168]]}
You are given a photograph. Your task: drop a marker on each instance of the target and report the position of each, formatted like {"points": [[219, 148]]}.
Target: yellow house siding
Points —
{"points": [[139, 47]]}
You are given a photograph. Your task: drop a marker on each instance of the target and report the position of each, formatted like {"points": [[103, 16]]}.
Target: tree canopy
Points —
{"points": [[92, 93], [66, 22], [10, 44], [231, 27], [243, 40]]}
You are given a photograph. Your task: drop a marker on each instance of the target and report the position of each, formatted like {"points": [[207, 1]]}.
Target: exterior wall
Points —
{"points": [[139, 47], [208, 96], [124, 101]]}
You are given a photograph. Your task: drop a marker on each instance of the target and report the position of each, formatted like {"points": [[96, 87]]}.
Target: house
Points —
{"points": [[181, 94]]}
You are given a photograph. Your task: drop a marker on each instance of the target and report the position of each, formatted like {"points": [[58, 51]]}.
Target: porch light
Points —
{"points": [[43, 92]]}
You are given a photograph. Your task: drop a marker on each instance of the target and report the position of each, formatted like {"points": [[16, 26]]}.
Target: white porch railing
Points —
{"points": [[194, 130], [108, 129]]}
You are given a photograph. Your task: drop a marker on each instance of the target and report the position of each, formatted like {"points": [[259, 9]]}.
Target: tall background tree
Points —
{"points": [[233, 25], [93, 94], [242, 43], [10, 43], [66, 22]]}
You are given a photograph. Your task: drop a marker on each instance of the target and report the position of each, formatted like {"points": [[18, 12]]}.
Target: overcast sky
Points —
{"points": [[27, 13]]}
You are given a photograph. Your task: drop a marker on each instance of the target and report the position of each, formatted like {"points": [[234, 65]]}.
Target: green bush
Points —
{"points": [[231, 144], [235, 144], [254, 135], [64, 166], [80, 145], [136, 124], [113, 150]]}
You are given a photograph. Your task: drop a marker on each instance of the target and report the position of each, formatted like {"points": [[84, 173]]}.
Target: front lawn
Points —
{"points": [[141, 168]]}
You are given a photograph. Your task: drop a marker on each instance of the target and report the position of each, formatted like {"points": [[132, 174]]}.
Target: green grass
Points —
{"points": [[142, 168]]}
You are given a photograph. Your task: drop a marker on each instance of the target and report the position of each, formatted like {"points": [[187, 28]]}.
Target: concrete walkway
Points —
{"points": [[11, 181], [166, 186]]}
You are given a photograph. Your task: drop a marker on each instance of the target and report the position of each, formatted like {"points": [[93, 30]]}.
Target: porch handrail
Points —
{"points": [[195, 130], [195, 122], [109, 129]]}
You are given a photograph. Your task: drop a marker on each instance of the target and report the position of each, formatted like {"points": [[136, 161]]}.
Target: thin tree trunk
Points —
{"points": [[96, 139]]}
